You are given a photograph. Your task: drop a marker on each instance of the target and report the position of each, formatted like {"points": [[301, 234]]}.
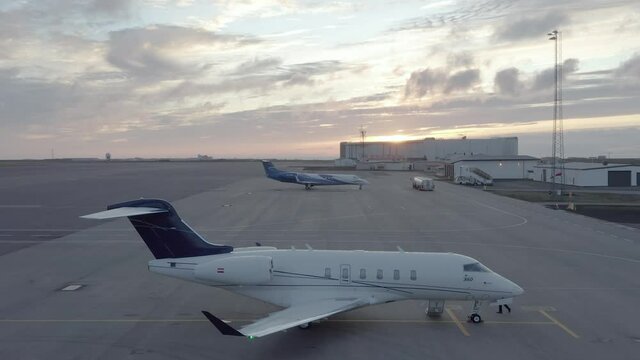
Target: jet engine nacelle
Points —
{"points": [[241, 270]]}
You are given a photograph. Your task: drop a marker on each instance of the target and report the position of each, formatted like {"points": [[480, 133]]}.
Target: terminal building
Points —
{"points": [[427, 149]]}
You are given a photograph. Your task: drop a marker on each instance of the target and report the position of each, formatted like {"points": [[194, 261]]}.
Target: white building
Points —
{"points": [[591, 174], [345, 163], [385, 165], [428, 149], [498, 167]]}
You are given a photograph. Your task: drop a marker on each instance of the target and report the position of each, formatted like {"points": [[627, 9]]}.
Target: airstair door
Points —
{"points": [[345, 274]]}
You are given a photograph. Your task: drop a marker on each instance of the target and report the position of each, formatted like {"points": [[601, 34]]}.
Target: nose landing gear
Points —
{"points": [[475, 317]]}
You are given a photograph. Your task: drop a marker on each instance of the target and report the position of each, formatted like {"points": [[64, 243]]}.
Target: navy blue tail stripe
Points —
{"points": [[166, 235]]}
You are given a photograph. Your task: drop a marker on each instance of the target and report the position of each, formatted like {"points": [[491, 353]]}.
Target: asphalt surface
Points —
{"points": [[42, 200], [581, 275]]}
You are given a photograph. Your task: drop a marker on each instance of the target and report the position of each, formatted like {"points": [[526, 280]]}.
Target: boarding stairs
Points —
{"points": [[481, 177]]}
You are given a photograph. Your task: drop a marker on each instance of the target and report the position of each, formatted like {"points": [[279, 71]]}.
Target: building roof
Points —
{"points": [[427, 139], [587, 165], [482, 157]]}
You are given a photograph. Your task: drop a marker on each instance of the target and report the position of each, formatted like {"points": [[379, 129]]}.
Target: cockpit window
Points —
{"points": [[475, 267]]}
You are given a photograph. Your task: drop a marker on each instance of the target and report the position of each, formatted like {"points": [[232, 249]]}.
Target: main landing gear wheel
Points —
{"points": [[475, 318], [304, 326]]}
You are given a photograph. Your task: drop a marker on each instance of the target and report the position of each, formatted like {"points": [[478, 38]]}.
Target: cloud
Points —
{"points": [[94, 68], [452, 13], [423, 82], [157, 51], [306, 74], [534, 27], [375, 98], [259, 81], [67, 16], [546, 78], [523, 97], [432, 81], [462, 80], [629, 68], [461, 59], [257, 65], [570, 66], [31, 101], [116, 8], [231, 11], [68, 108], [507, 82]]}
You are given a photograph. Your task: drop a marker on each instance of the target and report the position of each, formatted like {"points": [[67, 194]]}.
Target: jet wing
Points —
{"points": [[289, 317]]}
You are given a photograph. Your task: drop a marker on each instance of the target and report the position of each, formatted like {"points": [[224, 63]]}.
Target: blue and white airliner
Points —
{"points": [[310, 285], [310, 180]]}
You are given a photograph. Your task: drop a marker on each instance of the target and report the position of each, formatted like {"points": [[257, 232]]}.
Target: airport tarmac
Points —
{"points": [[581, 275]]}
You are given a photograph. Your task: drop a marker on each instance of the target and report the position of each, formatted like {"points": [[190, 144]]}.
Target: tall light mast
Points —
{"points": [[363, 133], [557, 143]]}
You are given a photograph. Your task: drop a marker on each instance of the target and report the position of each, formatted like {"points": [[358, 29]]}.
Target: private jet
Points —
{"points": [[310, 285], [310, 180]]}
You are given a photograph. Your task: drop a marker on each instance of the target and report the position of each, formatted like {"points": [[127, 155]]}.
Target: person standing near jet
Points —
{"points": [[500, 308]]}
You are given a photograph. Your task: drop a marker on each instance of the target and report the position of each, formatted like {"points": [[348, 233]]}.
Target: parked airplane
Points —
{"points": [[309, 284], [311, 180]]}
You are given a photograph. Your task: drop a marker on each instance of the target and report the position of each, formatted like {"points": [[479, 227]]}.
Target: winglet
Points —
{"points": [[124, 212], [222, 326]]}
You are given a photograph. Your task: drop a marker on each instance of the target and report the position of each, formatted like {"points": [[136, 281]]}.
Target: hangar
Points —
{"points": [[591, 174], [497, 167], [427, 149]]}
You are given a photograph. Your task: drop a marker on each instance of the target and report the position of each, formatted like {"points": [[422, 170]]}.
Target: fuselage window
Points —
{"points": [[475, 267], [396, 274], [379, 274], [345, 273], [327, 272], [363, 273], [413, 275]]}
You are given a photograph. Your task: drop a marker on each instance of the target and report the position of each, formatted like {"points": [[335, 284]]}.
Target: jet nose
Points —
{"points": [[517, 290]]}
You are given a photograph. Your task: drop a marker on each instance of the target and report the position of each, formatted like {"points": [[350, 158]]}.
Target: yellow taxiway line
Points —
{"points": [[561, 325], [458, 323]]}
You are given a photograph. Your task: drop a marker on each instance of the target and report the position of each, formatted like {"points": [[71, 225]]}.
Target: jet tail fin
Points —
{"points": [[164, 232], [269, 168]]}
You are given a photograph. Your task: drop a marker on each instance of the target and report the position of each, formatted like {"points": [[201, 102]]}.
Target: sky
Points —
{"points": [[291, 79]]}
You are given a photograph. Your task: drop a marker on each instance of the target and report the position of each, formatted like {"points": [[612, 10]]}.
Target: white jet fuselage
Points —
{"points": [[290, 277], [310, 284]]}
